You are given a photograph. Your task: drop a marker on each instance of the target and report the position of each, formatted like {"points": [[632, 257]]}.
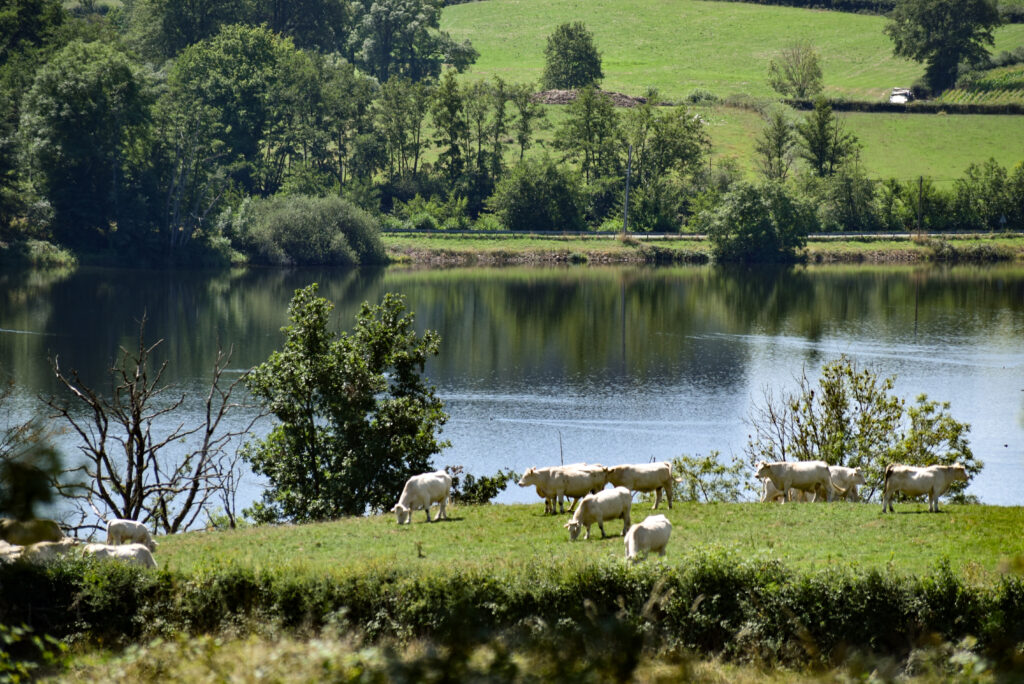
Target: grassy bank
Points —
{"points": [[977, 541], [499, 592], [508, 249]]}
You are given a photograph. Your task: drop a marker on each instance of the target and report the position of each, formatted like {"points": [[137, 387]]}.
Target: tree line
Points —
{"points": [[225, 131]]}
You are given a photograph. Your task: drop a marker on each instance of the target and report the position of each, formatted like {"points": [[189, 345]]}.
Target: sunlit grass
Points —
{"points": [[678, 46], [517, 539]]}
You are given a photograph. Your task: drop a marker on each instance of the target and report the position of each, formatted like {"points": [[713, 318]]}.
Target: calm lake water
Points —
{"points": [[607, 365]]}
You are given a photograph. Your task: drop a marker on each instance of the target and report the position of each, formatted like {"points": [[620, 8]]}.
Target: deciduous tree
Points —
{"points": [[796, 71], [357, 417], [943, 33], [851, 417], [823, 142], [571, 59]]}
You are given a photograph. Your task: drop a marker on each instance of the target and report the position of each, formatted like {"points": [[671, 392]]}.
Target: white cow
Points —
{"points": [[806, 476], [650, 535], [46, 551], [423, 491], [10, 552], [934, 481], [138, 554], [121, 531], [608, 504], [557, 482], [644, 477], [847, 479]]}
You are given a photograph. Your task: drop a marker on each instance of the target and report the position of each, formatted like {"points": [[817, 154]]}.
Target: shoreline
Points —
{"points": [[461, 249]]}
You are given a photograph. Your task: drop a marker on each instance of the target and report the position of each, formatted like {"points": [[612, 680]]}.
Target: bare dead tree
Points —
{"points": [[126, 470]]}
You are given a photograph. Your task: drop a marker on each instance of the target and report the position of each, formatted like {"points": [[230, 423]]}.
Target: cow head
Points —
{"points": [[528, 477], [858, 477], [574, 529], [959, 472], [763, 470], [404, 513]]}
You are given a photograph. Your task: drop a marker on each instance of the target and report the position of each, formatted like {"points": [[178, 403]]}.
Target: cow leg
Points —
{"points": [[575, 501], [668, 495], [600, 525], [442, 513]]}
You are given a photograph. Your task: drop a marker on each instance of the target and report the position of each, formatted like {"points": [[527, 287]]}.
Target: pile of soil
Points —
{"points": [[558, 97]]}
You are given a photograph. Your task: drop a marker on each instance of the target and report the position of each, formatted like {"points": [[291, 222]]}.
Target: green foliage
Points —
{"points": [[401, 38], [357, 418], [28, 466], [823, 142], [591, 134], [796, 71], [84, 128], [589, 621], [470, 490], [758, 224], [302, 230], [850, 417], [538, 195], [571, 59], [707, 479], [23, 654], [942, 34], [775, 147]]}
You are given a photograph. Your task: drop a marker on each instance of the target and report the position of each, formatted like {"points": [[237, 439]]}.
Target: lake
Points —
{"points": [[580, 363]]}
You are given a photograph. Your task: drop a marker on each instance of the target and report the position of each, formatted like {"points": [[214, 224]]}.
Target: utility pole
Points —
{"points": [[625, 204]]}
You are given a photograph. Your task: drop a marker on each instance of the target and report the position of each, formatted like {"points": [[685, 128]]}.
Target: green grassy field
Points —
{"points": [[978, 541], [902, 146], [678, 46]]}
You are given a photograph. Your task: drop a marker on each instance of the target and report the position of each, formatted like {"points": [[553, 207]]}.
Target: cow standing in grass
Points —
{"points": [[934, 480]]}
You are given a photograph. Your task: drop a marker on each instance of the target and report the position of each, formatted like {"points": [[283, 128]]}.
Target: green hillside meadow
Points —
{"points": [[678, 46]]}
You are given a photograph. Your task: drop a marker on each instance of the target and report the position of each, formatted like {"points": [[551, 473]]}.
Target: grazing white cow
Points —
{"points": [[650, 535], [608, 504], [644, 477], [121, 531], [46, 551], [847, 479], [933, 480], [25, 532], [138, 554], [557, 482], [423, 491], [802, 475]]}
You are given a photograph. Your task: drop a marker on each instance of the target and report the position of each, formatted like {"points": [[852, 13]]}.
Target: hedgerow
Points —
{"points": [[712, 603]]}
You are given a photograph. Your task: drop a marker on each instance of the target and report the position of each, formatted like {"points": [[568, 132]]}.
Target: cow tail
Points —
{"points": [[885, 479]]}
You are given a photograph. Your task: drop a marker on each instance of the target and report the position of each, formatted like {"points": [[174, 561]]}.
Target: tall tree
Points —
{"points": [[400, 113], [796, 71], [528, 115], [570, 58], [125, 470], [402, 38], [451, 126], [941, 34], [84, 123], [824, 144], [775, 147], [357, 417], [591, 134]]}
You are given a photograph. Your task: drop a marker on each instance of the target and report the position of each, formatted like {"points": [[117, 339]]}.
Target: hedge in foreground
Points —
{"points": [[611, 611]]}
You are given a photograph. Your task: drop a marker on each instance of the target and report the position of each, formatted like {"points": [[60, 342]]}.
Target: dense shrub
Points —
{"points": [[713, 603], [303, 230], [471, 490], [758, 224], [539, 195]]}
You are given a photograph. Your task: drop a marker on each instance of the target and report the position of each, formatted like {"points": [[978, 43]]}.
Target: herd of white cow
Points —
{"points": [[42, 540], [586, 483]]}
